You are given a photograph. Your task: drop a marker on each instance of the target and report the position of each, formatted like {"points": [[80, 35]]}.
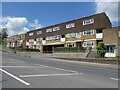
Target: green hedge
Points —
{"points": [[25, 49], [69, 49]]}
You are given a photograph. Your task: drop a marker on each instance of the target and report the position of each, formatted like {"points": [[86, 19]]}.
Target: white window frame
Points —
{"points": [[49, 38], [39, 39], [69, 35], [31, 34], [56, 36], [86, 32], [89, 44], [88, 21], [49, 30], [56, 28], [68, 44], [119, 33], [31, 40], [71, 25], [76, 34], [39, 32]]}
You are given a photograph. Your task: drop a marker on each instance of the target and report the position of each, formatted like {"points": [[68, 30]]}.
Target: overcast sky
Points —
{"points": [[20, 17]]}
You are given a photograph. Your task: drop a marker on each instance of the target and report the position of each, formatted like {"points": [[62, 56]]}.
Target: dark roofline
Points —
{"points": [[113, 27], [70, 21]]}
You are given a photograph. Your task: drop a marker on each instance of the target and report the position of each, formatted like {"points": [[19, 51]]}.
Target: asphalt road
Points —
{"points": [[25, 72]]}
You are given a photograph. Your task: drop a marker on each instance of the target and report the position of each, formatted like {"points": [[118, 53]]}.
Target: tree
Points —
{"points": [[4, 33], [3, 36], [101, 49]]}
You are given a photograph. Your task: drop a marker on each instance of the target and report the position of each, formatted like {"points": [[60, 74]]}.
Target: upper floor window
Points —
{"points": [[49, 30], [31, 40], [71, 25], [31, 34], [89, 21], [49, 38], [70, 35], [39, 39], [119, 33], [56, 36], [78, 34], [56, 28], [88, 32], [39, 32], [88, 44]]}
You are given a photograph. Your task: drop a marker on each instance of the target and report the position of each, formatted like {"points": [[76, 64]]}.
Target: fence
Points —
{"points": [[105, 53]]}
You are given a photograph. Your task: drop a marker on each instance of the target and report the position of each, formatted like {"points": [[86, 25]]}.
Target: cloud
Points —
{"points": [[23, 30], [35, 24], [14, 24], [109, 7], [18, 25]]}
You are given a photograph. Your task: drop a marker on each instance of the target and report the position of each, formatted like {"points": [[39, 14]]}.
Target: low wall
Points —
{"points": [[96, 60], [69, 55]]}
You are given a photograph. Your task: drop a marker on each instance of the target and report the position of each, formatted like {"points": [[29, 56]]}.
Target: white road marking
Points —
{"points": [[58, 68], [114, 79], [22, 81], [20, 67], [46, 75]]}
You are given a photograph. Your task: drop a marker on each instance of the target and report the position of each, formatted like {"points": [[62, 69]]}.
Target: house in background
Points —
{"points": [[111, 38], [16, 41]]}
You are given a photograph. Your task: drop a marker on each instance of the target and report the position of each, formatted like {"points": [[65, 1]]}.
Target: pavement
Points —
{"points": [[38, 72]]}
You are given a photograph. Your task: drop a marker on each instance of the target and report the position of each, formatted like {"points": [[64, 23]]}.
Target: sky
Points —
{"points": [[20, 17]]}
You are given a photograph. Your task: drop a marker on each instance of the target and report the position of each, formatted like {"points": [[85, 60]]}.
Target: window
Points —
{"points": [[31, 34], [70, 44], [78, 35], [31, 40], [69, 35], [39, 32], [89, 21], [56, 28], [49, 38], [88, 44], [70, 25], [56, 36], [49, 30], [39, 39], [88, 32], [119, 33]]}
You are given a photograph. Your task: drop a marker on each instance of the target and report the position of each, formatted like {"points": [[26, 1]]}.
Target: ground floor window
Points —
{"points": [[110, 48], [70, 44], [88, 44], [79, 44]]}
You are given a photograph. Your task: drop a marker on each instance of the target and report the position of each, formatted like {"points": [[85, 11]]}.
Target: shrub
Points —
{"points": [[25, 49], [69, 49], [101, 49]]}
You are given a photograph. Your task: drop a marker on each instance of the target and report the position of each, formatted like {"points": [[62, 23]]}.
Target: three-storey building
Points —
{"points": [[83, 32]]}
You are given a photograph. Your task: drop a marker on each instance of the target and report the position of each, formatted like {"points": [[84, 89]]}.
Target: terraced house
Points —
{"points": [[83, 32], [16, 41]]}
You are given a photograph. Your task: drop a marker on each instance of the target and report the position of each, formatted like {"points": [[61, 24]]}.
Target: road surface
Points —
{"points": [[26, 72]]}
